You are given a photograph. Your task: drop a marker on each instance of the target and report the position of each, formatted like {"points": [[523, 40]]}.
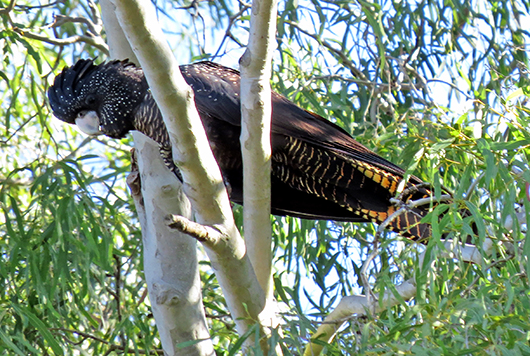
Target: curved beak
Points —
{"points": [[88, 122]]}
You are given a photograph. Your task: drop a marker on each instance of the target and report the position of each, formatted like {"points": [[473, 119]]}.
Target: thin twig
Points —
{"points": [[105, 342], [422, 201], [8, 8], [97, 22], [200, 232], [379, 86], [480, 275], [455, 87], [62, 19], [473, 185], [81, 333], [94, 41], [72, 153], [412, 189], [370, 295], [419, 36], [228, 32], [17, 130], [345, 60], [33, 7]]}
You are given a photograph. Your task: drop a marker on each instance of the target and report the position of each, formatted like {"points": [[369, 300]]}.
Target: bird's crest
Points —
{"points": [[111, 90], [70, 85]]}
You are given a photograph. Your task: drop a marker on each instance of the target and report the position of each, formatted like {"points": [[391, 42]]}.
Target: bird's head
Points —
{"points": [[98, 98]]}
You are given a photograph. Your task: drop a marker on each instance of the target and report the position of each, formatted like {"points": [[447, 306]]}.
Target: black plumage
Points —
{"points": [[318, 170]]}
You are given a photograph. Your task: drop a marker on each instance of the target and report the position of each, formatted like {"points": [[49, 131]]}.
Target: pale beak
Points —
{"points": [[88, 122]]}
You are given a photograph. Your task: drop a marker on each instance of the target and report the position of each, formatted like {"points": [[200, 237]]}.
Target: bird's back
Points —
{"points": [[318, 170]]}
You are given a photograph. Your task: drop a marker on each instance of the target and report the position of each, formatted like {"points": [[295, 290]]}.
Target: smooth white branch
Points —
{"points": [[256, 109], [359, 305], [203, 181], [170, 258]]}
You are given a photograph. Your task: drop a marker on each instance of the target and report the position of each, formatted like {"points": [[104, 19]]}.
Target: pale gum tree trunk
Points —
{"points": [[170, 257], [224, 246], [256, 112]]}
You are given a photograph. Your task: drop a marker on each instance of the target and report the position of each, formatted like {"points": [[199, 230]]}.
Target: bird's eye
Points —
{"points": [[90, 99]]}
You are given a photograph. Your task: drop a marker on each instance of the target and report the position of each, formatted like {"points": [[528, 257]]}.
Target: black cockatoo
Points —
{"points": [[318, 170]]}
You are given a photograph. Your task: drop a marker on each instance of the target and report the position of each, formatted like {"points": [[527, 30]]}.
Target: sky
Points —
{"points": [[190, 32]]}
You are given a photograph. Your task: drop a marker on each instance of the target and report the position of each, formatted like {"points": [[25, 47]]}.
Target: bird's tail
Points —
{"points": [[407, 223], [404, 218]]}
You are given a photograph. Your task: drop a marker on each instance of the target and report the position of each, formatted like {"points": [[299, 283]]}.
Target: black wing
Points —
{"points": [[318, 170]]}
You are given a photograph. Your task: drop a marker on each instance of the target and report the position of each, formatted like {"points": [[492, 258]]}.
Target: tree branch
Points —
{"points": [[361, 304], [200, 232], [255, 140], [345, 60], [93, 41], [170, 259], [94, 28], [203, 181], [228, 31], [8, 8]]}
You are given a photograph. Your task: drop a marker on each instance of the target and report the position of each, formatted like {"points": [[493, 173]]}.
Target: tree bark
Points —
{"points": [[203, 181], [256, 112], [170, 257]]}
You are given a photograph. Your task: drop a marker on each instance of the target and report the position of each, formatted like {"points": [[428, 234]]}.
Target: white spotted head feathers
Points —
{"points": [[113, 90]]}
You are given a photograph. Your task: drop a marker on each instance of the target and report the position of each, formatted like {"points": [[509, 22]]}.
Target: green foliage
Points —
{"points": [[440, 88]]}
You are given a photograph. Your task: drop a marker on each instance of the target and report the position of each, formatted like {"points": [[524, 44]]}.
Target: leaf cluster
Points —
{"points": [[438, 87]]}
